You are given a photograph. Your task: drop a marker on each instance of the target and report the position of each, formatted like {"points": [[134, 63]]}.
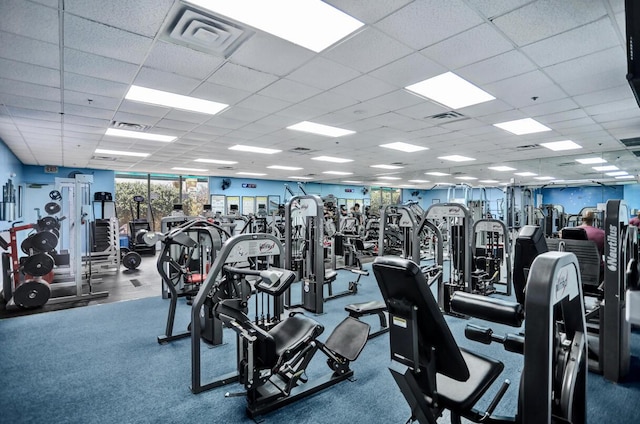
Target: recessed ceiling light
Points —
{"points": [[488, 181], [255, 174], [526, 174], [450, 90], [561, 145], [502, 168], [300, 178], [285, 168], [404, 147], [179, 168], [332, 159], [591, 161], [216, 161], [456, 158], [172, 100], [120, 153], [139, 135], [419, 181], [338, 173], [253, 149], [616, 174], [437, 174], [352, 182], [544, 178], [605, 168], [522, 126], [388, 178], [312, 127], [504, 184], [312, 24], [387, 166], [625, 177], [466, 177]]}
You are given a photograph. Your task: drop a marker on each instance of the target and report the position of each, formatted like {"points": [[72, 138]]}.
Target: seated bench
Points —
{"points": [[375, 307]]}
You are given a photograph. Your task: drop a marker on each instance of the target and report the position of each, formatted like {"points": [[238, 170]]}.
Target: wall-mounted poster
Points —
{"points": [[248, 205], [218, 203]]}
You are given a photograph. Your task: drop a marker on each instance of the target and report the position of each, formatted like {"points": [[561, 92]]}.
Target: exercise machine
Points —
{"points": [[398, 223], [272, 360], [434, 373], [491, 249], [138, 227]]}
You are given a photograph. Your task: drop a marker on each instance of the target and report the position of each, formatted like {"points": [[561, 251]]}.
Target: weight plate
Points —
{"points": [[38, 264], [44, 241], [131, 260], [56, 232], [47, 223], [26, 246], [140, 236], [150, 238], [52, 208], [32, 294], [55, 195]]}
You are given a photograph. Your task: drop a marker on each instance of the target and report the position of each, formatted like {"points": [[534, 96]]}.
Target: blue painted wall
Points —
{"points": [[575, 198], [103, 180], [10, 169], [632, 195]]}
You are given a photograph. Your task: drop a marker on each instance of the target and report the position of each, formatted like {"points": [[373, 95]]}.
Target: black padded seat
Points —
{"points": [[330, 275], [373, 307], [483, 372], [292, 333]]}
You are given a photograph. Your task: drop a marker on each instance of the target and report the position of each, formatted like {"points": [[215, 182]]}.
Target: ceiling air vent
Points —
{"points": [[203, 31], [128, 126], [226, 168], [631, 142], [449, 116], [300, 150], [567, 164], [527, 147], [107, 158]]}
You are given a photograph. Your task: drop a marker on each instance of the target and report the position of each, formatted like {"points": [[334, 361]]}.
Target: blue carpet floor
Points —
{"points": [[102, 364]]}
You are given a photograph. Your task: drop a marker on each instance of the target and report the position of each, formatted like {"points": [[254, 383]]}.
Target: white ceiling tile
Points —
{"points": [[364, 88], [30, 20], [408, 70], [223, 122], [323, 73], [619, 105], [496, 68], [604, 96], [422, 110], [219, 93], [555, 106], [486, 108], [473, 45], [91, 112], [237, 76], [98, 66], [82, 99], [581, 41], [186, 116], [519, 90], [133, 118], [30, 103], [182, 60], [329, 101], [169, 126], [443, 18], [29, 73], [544, 18], [34, 114], [141, 16], [104, 40], [593, 83], [143, 109], [28, 50], [493, 8], [20, 88], [368, 12], [242, 114], [367, 50], [159, 80], [290, 91], [84, 121], [555, 117], [90, 85], [257, 53], [612, 59], [263, 103]]}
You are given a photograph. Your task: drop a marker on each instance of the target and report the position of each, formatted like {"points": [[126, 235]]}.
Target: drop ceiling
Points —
{"points": [[65, 67]]}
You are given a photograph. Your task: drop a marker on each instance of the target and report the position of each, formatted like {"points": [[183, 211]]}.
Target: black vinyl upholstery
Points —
{"points": [[574, 233], [488, 308], [292, 333]]}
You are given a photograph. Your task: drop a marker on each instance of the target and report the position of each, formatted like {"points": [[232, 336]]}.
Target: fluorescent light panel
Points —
{"points": [[312, 24], [300, 178], [617, 173], [437, 174], [419, 181], [526, 174], [120, 153], [253, 149], [285, 168], [591, 161], [605, 168], [456, 158], [255, 174], [172, 100], [544, 178], [625, 177], [561, 145], [466, 177], [389, 178], [216, 161], [404, 147], [338, 173], [332, 159], [450, 90], [387, 166], [502, 168], [522, 126], [312, 127], [488, 181], [139, 135], [352, 182], [179, 168]]}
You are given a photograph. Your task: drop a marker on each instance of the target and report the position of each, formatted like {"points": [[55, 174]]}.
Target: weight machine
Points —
{"points": [[398, 224], [492, 250]]}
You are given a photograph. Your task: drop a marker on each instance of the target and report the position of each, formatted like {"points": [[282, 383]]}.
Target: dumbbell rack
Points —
{"points": [[105, 255]]}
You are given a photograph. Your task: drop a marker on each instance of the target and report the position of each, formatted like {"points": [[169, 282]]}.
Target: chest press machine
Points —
{"points": [[435, 374]]}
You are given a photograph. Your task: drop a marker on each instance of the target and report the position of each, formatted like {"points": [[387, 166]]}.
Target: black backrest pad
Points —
{"points": [[574, 233], [401, 280], [589, 260], [529, 244]]}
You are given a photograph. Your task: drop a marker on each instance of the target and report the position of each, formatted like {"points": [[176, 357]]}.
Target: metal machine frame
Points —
{"points": [[496, 226]]}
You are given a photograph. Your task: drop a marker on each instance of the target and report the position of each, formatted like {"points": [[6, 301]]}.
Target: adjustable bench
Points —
{"points": [[357, 310]]}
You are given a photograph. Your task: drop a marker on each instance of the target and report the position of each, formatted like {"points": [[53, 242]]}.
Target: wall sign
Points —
{"points": [[245, 185], [348, 190]]}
